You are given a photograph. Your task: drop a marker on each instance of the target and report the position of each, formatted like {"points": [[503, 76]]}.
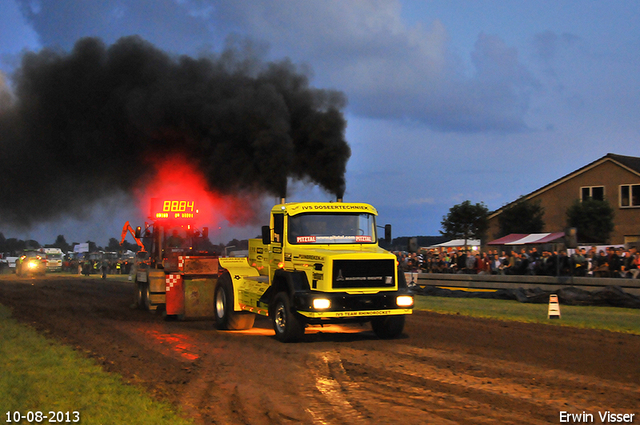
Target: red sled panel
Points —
{"points": [[175, 294]]}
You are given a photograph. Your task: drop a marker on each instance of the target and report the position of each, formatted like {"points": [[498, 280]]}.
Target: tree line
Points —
{"points": [[16, 246], [591, 217]]}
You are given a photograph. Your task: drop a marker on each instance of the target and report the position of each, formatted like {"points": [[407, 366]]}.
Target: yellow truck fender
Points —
{"points": [[242, 274]]}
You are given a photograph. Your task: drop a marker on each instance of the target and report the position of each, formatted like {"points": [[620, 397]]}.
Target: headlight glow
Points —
{"points": [[321, 303], [32, 264], [404, 301]]}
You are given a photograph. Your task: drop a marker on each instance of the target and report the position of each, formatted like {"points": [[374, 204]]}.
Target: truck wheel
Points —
{"points": [[388, 327], [226, 318], [146, 297], [140, 295], [137, 296], [287, 326]]}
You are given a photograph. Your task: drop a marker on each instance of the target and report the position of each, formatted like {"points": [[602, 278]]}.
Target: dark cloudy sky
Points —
{"points": [[446, 100]]}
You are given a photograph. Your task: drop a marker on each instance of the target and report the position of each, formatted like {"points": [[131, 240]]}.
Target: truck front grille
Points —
{"points": [[363, 274]]}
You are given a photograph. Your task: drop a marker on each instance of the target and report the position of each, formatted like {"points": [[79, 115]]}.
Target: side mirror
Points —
{"points": [[387, 233], [266, 235], [138, 232], [205, 232]]}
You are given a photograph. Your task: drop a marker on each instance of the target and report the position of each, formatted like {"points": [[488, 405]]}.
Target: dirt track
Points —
{"points": [[446, 369]]}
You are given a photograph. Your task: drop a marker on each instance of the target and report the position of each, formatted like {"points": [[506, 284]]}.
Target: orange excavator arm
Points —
{"points": [[127, 227]]}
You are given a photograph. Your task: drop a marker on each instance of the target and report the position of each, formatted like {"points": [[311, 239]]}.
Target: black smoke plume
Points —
{"points": [[89, 124]]}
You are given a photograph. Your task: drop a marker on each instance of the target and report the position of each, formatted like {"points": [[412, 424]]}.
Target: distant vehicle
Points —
{"points": [[11, 261], [54, 257], [31, 263]]}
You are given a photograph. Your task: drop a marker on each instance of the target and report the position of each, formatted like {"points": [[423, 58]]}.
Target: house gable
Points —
{"points": [[603, 177], [629, 163]]}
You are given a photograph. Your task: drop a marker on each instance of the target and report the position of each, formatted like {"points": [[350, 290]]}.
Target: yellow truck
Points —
{"points": [[317, 263]]}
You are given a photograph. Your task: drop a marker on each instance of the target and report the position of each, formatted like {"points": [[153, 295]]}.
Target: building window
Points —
{"points": [[593, 192], [630, 195]]}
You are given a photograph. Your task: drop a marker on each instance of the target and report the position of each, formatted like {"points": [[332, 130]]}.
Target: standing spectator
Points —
{"points": [[564, 263], [504, 258], [422, 265], [630, 267], [541, 266], [635, 268], [523, 266], [578, 262], [412, 262], [601, 265], [445, 261], [592, 257], [496, 264], [583, 252], [104, 267], [483, 264], [552, 264], [535, 255], [593, 253], [510, 262], [471, 263], [86, 266], [520, 264], [462, 262], [614, 262], [453, 262]]}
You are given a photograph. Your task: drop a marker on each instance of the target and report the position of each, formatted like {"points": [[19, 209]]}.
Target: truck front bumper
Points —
{"points": [[346, 307]]}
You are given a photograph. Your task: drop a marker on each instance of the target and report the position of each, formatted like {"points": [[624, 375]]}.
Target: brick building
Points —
{"points": [[615, 178]]}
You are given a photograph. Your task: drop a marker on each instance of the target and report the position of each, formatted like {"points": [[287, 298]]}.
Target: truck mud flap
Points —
{"points": [[157, 289]]}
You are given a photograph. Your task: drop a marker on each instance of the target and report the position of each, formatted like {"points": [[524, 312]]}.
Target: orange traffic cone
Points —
{"points": [[554, 307]]}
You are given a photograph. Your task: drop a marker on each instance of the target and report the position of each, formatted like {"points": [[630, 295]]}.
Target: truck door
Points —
{"points": [[277, 240]]}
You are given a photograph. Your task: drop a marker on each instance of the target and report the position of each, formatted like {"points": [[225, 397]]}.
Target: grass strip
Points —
{"points": [[38, 374], [625, 320]]}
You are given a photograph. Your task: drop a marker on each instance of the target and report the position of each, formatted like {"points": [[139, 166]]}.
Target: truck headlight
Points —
{"points": [[321, 303], [404, 301]]}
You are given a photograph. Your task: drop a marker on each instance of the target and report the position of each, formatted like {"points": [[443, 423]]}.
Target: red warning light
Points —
{"points": [[180, 194]]}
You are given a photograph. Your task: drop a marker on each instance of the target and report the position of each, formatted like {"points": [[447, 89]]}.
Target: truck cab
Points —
{"points": [[316, 263]]}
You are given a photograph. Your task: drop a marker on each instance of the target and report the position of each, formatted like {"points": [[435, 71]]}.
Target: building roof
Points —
{"points": [[630, 163], [457, 243], [527, 239]]}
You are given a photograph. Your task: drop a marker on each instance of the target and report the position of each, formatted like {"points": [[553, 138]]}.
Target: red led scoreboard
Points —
{"points": [[173, 209]]}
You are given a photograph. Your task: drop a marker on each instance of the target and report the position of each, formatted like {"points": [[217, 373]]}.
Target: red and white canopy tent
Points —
{"points": [[528, 239]]}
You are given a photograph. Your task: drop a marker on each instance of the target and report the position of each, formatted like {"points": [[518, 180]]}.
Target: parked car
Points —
{"points": [[11, 262]]}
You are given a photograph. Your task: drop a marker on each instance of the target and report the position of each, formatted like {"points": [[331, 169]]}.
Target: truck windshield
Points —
{"points": [[332, 228]]}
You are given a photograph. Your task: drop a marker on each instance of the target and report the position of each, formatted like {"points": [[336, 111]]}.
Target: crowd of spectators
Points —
{"points": [[612, 262], [87, 266]]}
